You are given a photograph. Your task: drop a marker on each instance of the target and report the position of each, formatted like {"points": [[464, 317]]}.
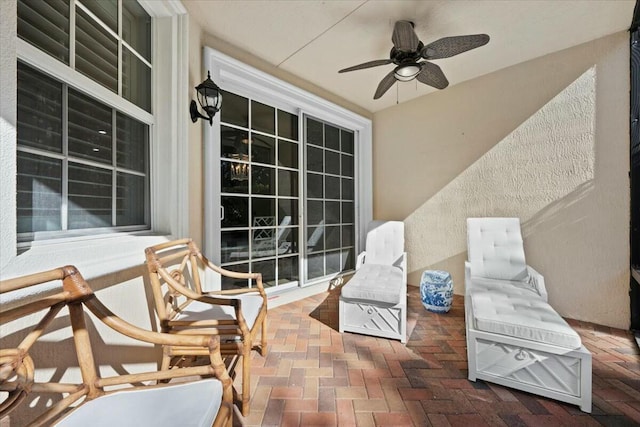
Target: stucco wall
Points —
{"points": [[546, 141]]}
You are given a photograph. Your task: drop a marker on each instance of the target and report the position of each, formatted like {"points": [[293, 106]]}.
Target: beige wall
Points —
{"points": [[546, 141]]}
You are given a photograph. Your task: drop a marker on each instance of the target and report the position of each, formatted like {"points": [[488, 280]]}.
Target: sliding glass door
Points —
{"points": [[259, 194], [330, 200], [286, 190]]}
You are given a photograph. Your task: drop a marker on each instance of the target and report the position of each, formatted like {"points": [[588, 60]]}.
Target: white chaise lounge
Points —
{"points": [[374, 300], [514, 337]]}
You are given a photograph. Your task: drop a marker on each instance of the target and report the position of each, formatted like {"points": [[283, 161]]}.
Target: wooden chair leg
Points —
{"points": [[246, 382], [263, 344]]}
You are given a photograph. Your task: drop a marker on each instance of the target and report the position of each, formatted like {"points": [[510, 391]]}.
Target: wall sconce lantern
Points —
{"points": [[210, 100]]}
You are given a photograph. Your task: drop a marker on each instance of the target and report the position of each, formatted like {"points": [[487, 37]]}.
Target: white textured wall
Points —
{"points": [[546, 141]]}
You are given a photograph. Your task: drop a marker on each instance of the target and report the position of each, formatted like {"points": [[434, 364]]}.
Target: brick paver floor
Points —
{"points": [[315, 376]]}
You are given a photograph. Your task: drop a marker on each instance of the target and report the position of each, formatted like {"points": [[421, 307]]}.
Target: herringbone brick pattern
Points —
{"points": [[315, 376]]}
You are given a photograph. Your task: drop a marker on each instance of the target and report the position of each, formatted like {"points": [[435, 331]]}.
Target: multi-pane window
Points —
{"points": [[330, 199], [82, 163], [259, 170]]}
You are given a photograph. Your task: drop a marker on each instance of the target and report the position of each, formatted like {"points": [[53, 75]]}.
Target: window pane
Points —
{"points": [[45, 24], [347, 212], [105, 10], [287, 183], [315, 189], [332, 239], [347, 235], [332, 212], [235, 177], [332, 162], [347, 165], [315, 239], [315, 266], [314, 132], [332, 185], [263, 118], [264, 243], [288, 269], [96, 52], [288, 211], [263, 180], [236, 211], [334, 264], [315, 212], [130, 199], [346, 138], [234, 246], [287, 125], [268, 270], [347, 189], [263, 209], [90, 130], [287, 240], [39, 110], [132, 143], [331, 137], [234, 143], [315, 159], [136, 80], [235, 110], [39, 195], [287, 154], [263, 149], [348, 259], [89, 197], [136, 28]]}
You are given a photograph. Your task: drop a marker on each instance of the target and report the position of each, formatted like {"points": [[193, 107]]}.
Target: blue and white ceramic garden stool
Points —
{"points": [[436, 290]]}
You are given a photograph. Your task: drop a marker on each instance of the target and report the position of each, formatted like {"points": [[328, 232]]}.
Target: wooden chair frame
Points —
{"points": [[17, 370], [177, 265]]}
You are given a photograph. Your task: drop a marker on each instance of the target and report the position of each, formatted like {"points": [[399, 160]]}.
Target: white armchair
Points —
{"points": [[374, 300]]}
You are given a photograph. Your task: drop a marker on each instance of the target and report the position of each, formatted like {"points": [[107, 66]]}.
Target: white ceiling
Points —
{"points": [[314, 39]]}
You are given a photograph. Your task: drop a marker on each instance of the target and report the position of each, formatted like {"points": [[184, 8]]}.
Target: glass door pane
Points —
{"points": [[259, 191], [329, 197]]}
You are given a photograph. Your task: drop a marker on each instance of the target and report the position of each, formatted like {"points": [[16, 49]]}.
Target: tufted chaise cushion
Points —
{"points": [[385, 242], [522, 316], [376, 282], [495, 249]]}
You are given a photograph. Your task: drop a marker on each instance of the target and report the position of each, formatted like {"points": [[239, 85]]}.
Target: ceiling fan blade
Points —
{"points": [[449, 46], [432, 75], [404, 38], [369, 64], [385, 84]]}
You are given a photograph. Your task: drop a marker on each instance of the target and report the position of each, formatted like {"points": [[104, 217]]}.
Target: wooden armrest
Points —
{"points": [[17, 367]]}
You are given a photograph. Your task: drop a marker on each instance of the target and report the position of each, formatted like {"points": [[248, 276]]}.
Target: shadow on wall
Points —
{"points": [[537, 164], [562, 170]]}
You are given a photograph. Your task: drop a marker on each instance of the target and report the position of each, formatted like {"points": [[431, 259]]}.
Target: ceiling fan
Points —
{"points": [[408, 50]]}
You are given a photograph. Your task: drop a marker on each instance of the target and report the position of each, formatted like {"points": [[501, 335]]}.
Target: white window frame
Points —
{"points": [[234, 76], [168, 139]]}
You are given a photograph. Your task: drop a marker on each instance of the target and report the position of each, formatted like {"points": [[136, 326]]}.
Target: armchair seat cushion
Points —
{"points": [[376, 282], [525, 317], [189, 404], [196, 310]]}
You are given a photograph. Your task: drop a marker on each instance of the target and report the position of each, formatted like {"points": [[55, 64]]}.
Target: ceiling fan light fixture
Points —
{"points": [[407, 72]]}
